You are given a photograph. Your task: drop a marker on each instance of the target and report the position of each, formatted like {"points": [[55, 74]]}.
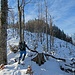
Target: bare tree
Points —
{"points": [[46, 22], [21, 5], [12, 18], [3, 31], [50, 30], [40, 19]]}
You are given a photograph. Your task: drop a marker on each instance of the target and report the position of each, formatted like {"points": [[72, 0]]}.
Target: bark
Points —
{"points": [[39, 59], [3, 32]]}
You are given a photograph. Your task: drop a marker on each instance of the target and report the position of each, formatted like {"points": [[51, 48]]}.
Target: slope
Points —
{"points": [[61, 49]]}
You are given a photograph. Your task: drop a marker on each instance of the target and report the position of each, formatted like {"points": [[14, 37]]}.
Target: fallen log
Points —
{"points": [[40, 57], [55, 57], [49, 55]]}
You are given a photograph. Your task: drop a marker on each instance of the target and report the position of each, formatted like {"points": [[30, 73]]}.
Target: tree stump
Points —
{"points": [[39, 59]]}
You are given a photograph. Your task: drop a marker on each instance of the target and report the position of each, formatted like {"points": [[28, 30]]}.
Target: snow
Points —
{"points": [[50, 67]]}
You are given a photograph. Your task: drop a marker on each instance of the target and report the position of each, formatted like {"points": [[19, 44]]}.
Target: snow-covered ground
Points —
{"points": [[61, 49]]}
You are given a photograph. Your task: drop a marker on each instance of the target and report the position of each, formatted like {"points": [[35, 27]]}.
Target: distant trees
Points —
{"points": [[31, 25], [53, 30], [58, 33], [40, 25]]}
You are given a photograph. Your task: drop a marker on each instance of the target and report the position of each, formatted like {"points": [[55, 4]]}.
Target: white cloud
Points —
{"points": [[62, 11]]}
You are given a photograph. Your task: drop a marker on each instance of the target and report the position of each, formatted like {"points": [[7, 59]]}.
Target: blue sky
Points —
{"points": [[63, 12]]}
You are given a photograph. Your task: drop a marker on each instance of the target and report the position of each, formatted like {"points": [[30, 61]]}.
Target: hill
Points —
{"points": [[52, 66]]}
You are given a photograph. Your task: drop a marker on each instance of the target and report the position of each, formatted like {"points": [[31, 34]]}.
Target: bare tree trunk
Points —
{"points": [[41, 24], [20, 14], [3, 31], [23, 25], [38, 20], [21, 5], [46, 23], [50, 31], [12, 17]]}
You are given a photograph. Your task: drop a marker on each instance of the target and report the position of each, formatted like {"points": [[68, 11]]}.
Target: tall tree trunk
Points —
{"points": [[50, 31], [23, 25], [20, 15], [46, 23], [3, 31]]}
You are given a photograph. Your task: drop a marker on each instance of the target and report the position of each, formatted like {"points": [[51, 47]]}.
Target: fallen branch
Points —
{"points": [[55, 57], [33, 50], [40, 56]]}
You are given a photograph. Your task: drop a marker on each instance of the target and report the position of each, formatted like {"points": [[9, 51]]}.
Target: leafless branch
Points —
{"points": [[28, 2]]}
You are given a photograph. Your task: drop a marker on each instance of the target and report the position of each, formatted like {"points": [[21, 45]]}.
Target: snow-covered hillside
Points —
{"points": [[61, 49]]}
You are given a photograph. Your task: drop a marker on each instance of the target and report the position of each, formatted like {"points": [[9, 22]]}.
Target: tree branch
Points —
{"points": [[50, 55], [55, 57], [33, 50], [28, 2]]}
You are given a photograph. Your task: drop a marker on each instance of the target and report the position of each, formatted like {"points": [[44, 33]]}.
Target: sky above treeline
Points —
{"points": [[62, 12]]}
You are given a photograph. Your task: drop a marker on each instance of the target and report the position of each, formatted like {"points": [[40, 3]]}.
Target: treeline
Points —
{"points": [[40, 26]]}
